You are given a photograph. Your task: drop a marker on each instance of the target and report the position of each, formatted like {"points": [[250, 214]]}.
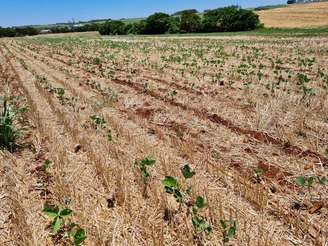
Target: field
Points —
{"points": [[296, 16], [112, 125]]}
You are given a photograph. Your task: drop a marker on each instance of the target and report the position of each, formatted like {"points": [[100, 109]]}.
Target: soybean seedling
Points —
{"points": [[46, 165], [98, 121], [305, 182], [173, 94], [142, 165], [69, 232], [60, 94], [171, 186], [56, 215], [228, 229], [9, 134], [309, 182], [199, 223], [257, 174]]}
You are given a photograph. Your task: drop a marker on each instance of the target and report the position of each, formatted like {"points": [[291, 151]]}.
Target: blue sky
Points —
{"points": [[26, 12]]}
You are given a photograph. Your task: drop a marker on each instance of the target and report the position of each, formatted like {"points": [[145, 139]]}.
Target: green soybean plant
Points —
{"points": [[199, 223], [145, 175], [46, 165], [229, 229], [9, 134], [56, 215], [310, 182], [70, 232], [60, 92], [142, 165], [98, 121], [172, 186]]}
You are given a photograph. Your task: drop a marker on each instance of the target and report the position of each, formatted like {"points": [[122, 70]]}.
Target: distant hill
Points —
{"points": [[303, 15]]}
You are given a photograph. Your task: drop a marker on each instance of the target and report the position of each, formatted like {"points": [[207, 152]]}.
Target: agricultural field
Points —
{"points": [[307, 15], [164, 141]]}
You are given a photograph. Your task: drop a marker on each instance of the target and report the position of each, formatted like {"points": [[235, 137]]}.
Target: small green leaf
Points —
{"points": [[200, 224], [232, 231], [50, 211], [200, 203], [79, 237], [46, 164], [300, 181], [177, 195], [186, 172], [56, 224], [310, 181], [326, 152], [323, 181], [223, 224], [147, 161], [170, 182], [65, 213]]}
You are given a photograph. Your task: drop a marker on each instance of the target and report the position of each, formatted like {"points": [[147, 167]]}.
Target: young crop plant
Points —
{"points": [[98, 121], [9, 134], [172, 186], [172, 95], [96, 61], [143, 167], [228, 229], [303, 80], [56, 215], [46, 165], [60, 92], [309, 182], [62, 227], [258, 174], [145, 175]]}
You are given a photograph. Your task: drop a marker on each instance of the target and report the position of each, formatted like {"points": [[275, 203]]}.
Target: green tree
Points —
{"points": [[157, 23], [190, 22], [230, 19]]}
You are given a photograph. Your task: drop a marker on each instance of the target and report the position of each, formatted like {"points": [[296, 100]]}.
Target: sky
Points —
{"points": [[31, 12]]}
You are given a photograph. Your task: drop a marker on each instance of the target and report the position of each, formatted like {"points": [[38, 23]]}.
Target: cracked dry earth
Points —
{"points": [[249, 116]]}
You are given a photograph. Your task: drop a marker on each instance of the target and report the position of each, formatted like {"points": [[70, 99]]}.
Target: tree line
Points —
{"points": [[18, 31], [227, 19]]}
